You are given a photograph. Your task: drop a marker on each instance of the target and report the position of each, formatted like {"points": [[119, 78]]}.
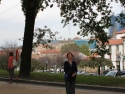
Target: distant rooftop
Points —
{"points": [[115, 42]]}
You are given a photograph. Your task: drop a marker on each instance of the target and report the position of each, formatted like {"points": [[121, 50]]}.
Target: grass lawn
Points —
{"points": [[81, 79]]}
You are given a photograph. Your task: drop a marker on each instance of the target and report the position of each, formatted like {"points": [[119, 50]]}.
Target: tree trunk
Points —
{"points": [[99, 70], [27, 43]]}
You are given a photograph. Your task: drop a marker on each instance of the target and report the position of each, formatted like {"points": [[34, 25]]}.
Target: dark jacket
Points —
{"points": [[69, 70]]}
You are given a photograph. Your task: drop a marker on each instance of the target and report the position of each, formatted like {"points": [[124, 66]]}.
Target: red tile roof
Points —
{"points": [[115, 42], [76, 38], [120, 32], [50, 51]]}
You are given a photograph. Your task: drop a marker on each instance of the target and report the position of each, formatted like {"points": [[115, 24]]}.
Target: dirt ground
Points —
{"points": [[19, 88]]}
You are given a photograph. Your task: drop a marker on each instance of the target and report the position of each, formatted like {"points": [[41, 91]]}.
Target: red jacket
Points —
{"points": [[10, 62]]}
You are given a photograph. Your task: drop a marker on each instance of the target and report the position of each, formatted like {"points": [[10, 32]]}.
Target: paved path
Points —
{"points": [[19, 88]]}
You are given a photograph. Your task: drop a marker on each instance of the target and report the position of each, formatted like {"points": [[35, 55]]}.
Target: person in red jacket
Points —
{"points": [[11, 67]]}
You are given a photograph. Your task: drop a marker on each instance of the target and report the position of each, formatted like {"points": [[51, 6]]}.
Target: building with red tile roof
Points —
{"points": [[116, 46], [76, 38], [121, 32], [115, 42], [51, 52]]}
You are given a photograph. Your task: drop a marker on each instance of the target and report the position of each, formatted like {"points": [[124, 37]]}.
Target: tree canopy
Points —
{"points": [[83, 13], [36, 65], [96, 62], [71, 47], [85, 49]]}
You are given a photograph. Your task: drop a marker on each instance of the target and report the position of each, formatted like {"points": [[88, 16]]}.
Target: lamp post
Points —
{"points": [[119, 59], [123, 62], [46, 62], [123, 38]]}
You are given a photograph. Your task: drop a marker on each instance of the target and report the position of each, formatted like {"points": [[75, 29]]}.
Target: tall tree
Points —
{"points": [[85, 49], [96, 62], [36, 65], [85, 13], [81, 12], [71, 47], [30, 9]]}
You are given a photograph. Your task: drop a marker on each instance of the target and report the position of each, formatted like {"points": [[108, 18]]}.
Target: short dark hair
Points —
{"points": [[11, 53], [69, 53]]}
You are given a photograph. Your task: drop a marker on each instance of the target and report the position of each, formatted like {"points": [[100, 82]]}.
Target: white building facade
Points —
{"points": [[117, 50]]}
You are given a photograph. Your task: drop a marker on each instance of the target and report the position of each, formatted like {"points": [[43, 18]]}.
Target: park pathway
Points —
{"points": [[19, 88]]}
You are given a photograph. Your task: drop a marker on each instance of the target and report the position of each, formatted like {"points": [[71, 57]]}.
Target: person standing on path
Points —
{"points": [[70, 69], [11, 67]]}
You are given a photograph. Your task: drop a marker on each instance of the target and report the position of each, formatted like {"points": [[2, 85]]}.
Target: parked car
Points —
{"points": [[115, 73], [93, 74], [106, 71], [122, 75], [81, 72]]}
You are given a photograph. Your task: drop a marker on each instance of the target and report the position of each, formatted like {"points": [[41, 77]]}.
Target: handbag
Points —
{"points": [[14, 63], [68, 77]]}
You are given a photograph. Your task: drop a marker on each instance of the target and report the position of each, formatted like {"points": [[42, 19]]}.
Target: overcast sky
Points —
{"points": [[12, 21]]}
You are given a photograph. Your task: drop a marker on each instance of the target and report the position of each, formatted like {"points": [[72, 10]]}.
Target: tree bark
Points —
{"points": [[99, 70], [25, 67]]}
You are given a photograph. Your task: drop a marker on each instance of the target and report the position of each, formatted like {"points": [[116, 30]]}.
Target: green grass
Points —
{"points": [[101, 80], [81, 79]]}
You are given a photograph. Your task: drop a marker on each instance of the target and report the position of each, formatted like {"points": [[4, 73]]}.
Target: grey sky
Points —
{"points": [[12, 22]]}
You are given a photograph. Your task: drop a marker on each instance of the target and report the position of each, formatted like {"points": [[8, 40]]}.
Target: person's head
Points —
{"points": [[11, 54], [69, 56]]}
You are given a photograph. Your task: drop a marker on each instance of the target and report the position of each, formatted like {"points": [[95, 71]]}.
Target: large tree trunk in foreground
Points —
{"points": [[27, 43]]}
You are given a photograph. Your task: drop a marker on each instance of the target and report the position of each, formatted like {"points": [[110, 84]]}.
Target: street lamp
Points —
{"points": [[123, 62], [123, 38], [119, 59], [46, 62]]}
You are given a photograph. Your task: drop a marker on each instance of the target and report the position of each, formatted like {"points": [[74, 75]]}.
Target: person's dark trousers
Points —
{"points": [[11, 74], [70, 87]]}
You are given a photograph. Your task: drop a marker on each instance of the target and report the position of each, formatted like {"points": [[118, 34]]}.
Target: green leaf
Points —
{"points": [[51, 5]]}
